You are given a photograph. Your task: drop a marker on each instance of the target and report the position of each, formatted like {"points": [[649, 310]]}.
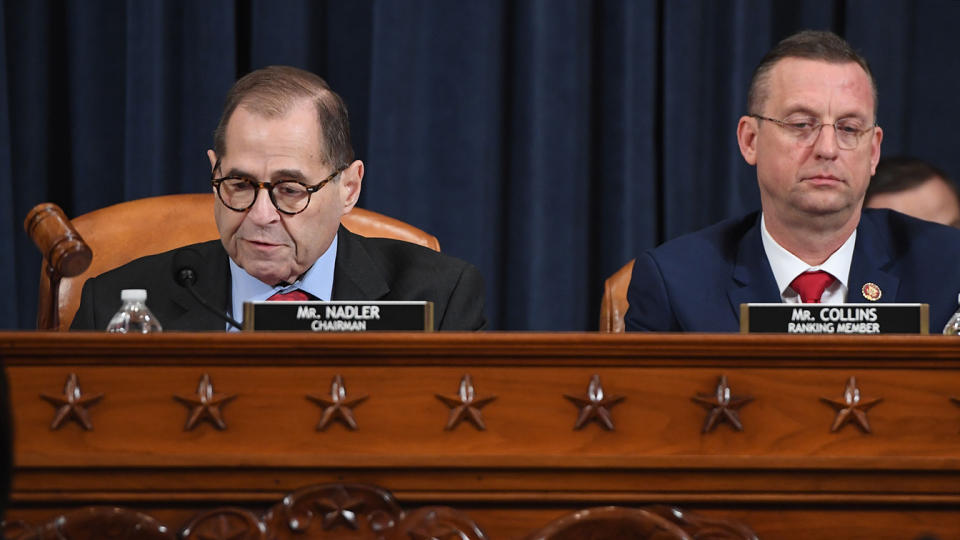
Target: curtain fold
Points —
{"points": [[548, 142], [9, 232]]}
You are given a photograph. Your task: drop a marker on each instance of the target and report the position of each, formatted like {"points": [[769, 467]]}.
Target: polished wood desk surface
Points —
{"points": [[817, 456]]}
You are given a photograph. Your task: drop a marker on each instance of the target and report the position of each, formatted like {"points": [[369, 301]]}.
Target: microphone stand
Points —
{"points": [[230, 320], [186, 277]]}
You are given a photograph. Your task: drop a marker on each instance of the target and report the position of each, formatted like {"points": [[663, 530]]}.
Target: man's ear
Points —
{"points": [[213, 162], [747, 138], [875, 149], [350, 182]]}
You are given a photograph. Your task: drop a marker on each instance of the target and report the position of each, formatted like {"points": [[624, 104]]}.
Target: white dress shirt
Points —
{"points": [[318, 281], [786, 267]]}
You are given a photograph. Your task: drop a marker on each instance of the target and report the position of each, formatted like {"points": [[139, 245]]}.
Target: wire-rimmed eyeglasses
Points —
{"points": [[806, 130]]}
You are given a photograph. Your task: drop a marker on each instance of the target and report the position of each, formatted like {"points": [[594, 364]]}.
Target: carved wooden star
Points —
{"points": [[72, 405], [722, 406], [339, 509], [338, 407], [465, 405], [850, 407], [596, 406], [205, 405]]}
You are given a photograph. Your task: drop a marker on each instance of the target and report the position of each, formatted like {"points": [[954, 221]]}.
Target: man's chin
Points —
{"points": [[271, 274], [824, 204]]}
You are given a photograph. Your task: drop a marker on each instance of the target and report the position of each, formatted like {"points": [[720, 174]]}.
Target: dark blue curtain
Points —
{"points": [[547, 142]]}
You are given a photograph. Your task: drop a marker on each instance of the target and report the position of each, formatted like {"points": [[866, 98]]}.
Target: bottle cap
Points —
{"points": [[133, 295]]}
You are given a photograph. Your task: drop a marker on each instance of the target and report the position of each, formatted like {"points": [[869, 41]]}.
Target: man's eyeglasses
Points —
{"points": [[806, 130], [288, 196]]}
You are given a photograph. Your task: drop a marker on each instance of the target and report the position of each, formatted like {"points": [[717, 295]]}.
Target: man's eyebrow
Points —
{"points": [[802, 109], [240, 173], [288, 174], [283, 174]]}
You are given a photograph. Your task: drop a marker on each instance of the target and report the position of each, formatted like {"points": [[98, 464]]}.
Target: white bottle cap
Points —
{"points": [[133, 295]]}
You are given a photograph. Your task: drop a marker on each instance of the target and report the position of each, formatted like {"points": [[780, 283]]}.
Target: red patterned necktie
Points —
{"points": [[810, 285], [295, 295]]}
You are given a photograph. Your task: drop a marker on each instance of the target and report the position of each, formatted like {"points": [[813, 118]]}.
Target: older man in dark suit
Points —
{"points": [[811, 132], [284, 174]]}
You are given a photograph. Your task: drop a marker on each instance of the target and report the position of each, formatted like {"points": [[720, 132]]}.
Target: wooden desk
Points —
{"points": [[787, 475]]}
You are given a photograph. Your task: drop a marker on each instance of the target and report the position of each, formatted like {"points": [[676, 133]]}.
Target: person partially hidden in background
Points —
{"points": [[916, 188], [284, 173], [811, 131]]}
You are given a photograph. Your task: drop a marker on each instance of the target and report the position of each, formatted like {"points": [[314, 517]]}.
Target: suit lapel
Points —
{"points": [[753, 279], [355, 274], [870, 264]]}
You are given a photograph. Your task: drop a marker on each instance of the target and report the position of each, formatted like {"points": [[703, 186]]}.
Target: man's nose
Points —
{"points": [[263, 210], [826, 141]]}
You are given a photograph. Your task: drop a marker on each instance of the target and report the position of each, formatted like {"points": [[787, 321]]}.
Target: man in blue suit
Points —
{"points": [[811, 133]]}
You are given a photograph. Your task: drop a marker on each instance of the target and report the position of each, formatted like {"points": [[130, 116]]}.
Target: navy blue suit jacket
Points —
{"points": [[697, 282]]}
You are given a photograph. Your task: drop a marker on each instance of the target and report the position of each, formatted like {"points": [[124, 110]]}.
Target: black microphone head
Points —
{"points": [[185, 262]]}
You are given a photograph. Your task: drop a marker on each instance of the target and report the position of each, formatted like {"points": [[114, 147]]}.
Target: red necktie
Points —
{"points": [[810, 285], [295, 295]]}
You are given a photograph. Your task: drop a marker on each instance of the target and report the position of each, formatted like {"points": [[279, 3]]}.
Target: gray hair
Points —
{"points": [[274, 90]]}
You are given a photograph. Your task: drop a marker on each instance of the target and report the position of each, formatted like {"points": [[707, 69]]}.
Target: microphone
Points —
{"points": [[185, 262]]}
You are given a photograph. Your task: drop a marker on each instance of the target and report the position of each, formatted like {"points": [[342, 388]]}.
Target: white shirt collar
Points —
{"points": [[786, 266], [318, 281]]}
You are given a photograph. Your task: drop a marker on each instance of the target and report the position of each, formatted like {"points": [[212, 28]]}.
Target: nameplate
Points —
{"points": [[339, 316], [835, 318]]}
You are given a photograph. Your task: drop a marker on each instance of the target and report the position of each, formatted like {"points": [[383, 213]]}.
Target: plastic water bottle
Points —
{"points": [[134, 317], [953, 325]]}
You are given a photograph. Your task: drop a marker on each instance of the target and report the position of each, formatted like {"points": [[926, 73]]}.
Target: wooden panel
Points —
{"points": [[770, 523], [529, 465]]}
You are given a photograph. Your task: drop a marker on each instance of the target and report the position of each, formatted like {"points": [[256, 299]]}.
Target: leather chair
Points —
{"points": [[93, 243], [613, 305]]}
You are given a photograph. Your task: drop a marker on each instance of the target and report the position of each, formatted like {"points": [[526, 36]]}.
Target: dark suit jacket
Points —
{"points": [[365, 269], [697, 282]]}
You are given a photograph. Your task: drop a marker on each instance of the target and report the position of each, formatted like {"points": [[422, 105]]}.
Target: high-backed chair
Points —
{"points": [[613, 305], [113, 236]]}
